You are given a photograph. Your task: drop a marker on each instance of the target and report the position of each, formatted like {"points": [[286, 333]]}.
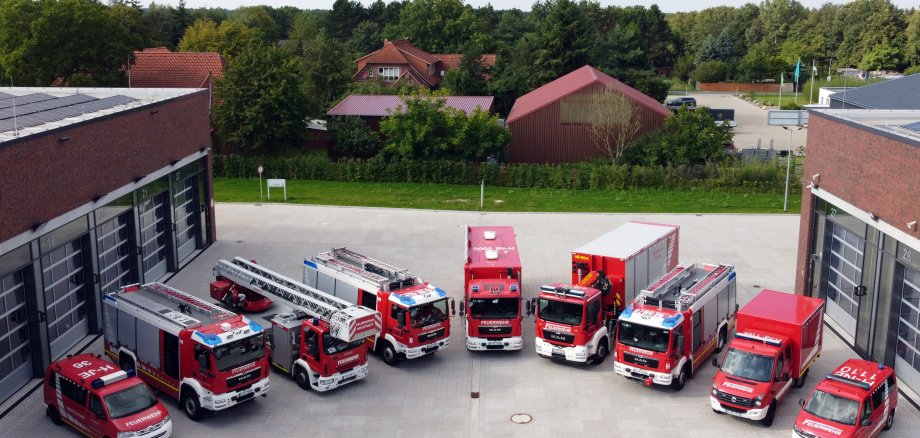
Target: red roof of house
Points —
{"points": [[403, 53], [572, 82], [452, 60], [160, 68], [381, 105]]}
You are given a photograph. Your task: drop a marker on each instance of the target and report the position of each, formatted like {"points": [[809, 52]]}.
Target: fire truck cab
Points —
{"points": [[100, 400], [570, 324], [320, 341], [492, 283], [415, 314], [205, 356], [858, 399], [675, 324]]}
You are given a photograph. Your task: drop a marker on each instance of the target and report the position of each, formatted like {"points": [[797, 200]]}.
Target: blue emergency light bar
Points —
{"points": [[563, 291], [111, 378], [853, 382]]}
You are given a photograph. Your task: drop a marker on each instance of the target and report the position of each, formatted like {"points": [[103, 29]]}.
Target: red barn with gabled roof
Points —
{"points": [[552, 123]]}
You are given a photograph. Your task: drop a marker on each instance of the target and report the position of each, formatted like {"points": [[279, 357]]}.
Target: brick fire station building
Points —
{"points": [[98, 188], [859, 245]]}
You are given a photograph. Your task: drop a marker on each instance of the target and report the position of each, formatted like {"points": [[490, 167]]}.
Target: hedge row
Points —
{"points": [[753, 176]]}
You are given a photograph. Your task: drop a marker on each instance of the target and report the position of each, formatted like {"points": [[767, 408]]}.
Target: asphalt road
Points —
{"points": [[432, 396], [752, 123]]}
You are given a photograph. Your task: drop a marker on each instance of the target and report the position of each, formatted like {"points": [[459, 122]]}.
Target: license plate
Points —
{"points": [[430, 349], [349, 378], [244, 392]]}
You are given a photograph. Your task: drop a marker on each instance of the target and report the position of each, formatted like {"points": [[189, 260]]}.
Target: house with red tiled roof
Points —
{"points": [[399, 61], [552, 124], [159, 67]]}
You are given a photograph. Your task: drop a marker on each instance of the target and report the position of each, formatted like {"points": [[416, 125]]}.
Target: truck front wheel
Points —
{"points": [[600, 354], [52, 412], [191, 405], [681, 379], [301, 377], [800, 381], [723, 335], [390, 356], [889, 421], [771, 412]]}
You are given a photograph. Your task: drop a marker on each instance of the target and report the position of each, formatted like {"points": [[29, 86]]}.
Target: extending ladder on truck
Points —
{"points": [[343, 317], [385, 276]]}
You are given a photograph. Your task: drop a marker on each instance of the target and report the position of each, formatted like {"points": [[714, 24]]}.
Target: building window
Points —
{"points": [[907, 362], [388, 73], [370, 72]]}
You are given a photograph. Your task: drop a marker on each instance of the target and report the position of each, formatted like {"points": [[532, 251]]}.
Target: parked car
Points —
{"points": [[676, 104]]}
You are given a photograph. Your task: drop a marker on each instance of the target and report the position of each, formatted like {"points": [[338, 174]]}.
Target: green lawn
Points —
{"points": [[503, 199], [772, 99]]}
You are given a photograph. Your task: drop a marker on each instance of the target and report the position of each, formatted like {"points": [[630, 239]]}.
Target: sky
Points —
{"points": [[664, 5]]}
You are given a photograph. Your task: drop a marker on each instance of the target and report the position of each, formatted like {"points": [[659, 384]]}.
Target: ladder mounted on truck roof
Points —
{"points": [[347, 321], [684, 285], [383, 275], [171, 305]]}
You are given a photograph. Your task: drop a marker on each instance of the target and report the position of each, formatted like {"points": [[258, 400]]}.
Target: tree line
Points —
{"points": [[285, 64]]}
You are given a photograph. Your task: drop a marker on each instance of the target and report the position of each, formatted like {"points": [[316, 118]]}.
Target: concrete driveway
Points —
{"points": [[752, 122], [432, 396]]}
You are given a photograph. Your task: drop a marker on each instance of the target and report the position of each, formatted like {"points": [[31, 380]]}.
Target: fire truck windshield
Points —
{"points": [[493, 308], [747, 365], [427, 314], [560, 311], [334, 345], [239, 352], [641, 336], [832, 407], [129, 401]]}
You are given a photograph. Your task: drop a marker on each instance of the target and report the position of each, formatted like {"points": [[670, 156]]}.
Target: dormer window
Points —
{"points": [[388, 73]]}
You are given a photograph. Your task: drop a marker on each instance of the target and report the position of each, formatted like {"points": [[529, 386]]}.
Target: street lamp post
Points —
{"points": [[788, 164]]}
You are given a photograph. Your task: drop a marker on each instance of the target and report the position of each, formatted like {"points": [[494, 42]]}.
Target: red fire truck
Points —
{"points": [[240, 298], [208, 358], [857, 400], [625, 260], [320, 342], [492, 285], [99, 400], [570, 325], [414, 313], [676, 323], [778, 338]]}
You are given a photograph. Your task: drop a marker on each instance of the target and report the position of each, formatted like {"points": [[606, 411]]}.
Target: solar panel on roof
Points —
{"points": [[57, 109], [912, 126], [23, 100]]}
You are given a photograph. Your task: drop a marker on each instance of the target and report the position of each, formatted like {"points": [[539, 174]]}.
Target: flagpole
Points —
{"points": [[814, 69], [781, 90]]}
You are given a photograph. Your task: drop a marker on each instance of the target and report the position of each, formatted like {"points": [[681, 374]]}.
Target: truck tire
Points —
{"points": [[302, 378], [771, 413], [723, 335], [889, 421], [600, 354], [389, 354], [681, 379], [191, 405], [800, 382], [52, 412]]}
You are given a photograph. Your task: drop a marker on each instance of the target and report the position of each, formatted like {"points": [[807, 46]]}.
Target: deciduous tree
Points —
{"points": [[614, 122]]}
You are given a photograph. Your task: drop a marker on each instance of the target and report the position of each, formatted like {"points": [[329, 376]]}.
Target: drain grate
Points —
{"points": [[521, 418]]}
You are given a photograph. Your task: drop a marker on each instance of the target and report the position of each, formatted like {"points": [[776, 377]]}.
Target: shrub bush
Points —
{"points": [[753, 176]]}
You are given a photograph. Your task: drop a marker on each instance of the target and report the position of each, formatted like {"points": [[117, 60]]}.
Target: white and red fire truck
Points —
{"points": [[857, 400], [778, 337], [492, 284], [414, 313], [676, 323], [624, 261], [320, 342], [99, 400], [570, 324], [207, 357]]}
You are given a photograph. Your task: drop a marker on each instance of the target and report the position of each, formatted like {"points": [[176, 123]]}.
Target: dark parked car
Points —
{"points": [[675, 104]]}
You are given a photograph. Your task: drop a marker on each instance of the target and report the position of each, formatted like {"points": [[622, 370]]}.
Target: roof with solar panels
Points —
{"points": [[27, 111], [902, 125]]}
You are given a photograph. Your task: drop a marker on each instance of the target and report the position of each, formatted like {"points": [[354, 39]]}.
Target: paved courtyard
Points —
{"points": [[431, 396]]}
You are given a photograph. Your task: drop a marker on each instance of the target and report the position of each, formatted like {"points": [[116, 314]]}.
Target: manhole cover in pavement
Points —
{"points": [[521, 418]]}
